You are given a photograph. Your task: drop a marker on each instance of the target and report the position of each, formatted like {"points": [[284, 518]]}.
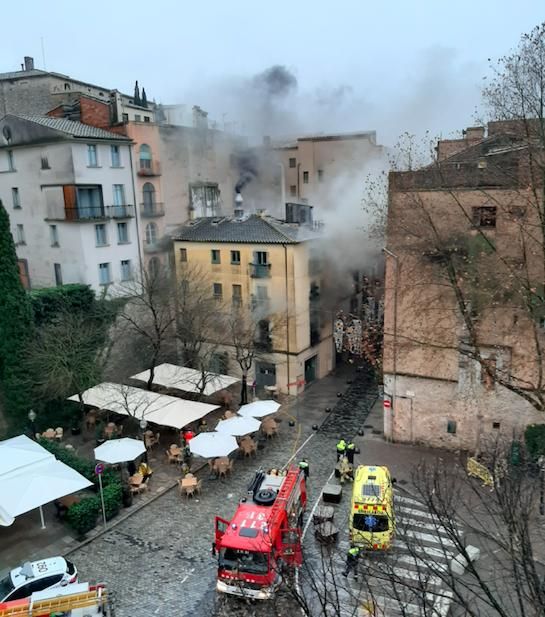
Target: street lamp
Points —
{"points": [[143, 426], [32, 417], [394, 391]]}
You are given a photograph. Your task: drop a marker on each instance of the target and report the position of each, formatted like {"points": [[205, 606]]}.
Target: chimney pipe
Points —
{"points": [[29, 63], [239, 210]]}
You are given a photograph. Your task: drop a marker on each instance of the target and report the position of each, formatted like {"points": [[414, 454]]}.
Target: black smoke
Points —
{"points": [[276, 81], [248, 164]]}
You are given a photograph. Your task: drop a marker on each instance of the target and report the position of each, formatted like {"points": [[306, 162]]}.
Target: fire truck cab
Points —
{"points": [[263, 537]]}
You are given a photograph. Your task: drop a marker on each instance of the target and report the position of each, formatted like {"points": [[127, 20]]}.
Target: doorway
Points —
{"points": [[265, 375], [311, 366]]}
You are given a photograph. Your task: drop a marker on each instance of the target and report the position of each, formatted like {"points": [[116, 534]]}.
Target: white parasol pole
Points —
{"points": [[42, 517]]}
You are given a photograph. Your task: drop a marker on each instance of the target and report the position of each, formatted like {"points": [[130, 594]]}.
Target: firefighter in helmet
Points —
{"points": [[352, 558]]}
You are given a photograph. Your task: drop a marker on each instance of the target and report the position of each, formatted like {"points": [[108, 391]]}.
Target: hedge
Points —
{"points": [[113, 497], [82, 516], [46, 303]]}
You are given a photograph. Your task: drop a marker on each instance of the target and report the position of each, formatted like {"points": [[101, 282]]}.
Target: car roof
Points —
{"points": [[32, 570]]}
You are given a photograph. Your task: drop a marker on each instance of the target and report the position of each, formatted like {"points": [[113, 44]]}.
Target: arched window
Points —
{"points": [[154, 267], [151, 233], [148, 196], [145, 157]]}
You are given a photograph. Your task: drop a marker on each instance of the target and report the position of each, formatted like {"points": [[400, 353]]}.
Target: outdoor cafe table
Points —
{"points": [[49, 434], [189, 481], [221, 461]]}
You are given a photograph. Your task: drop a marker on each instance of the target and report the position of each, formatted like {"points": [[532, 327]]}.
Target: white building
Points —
{"points": [[68, 189]]}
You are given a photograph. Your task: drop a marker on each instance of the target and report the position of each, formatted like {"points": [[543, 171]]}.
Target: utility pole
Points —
{"points": [[394, 362]]}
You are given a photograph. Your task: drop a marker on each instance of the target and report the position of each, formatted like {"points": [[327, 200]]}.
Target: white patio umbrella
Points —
{"points": [[35, 486], [212, 445], [119, 450], [238, 426], [259, 409]]}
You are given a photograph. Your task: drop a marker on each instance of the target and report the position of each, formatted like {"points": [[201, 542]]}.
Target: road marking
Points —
{"points": [[385, 605], [419, 576], [414, 522], [426, 550], [428, 537], [420, 562], [443, 602], [410, 500]]}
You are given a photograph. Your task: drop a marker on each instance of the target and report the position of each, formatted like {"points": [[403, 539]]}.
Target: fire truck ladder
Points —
{"points": [[97, 598], [281, 502]]}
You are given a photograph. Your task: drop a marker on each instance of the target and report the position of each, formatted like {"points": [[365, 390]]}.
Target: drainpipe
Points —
{"points": [[298, 185], [287, 318], [282, 189], [394, 388], [136, 217]]}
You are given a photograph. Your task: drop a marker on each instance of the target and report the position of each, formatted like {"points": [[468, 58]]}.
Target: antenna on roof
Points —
{"points": [[43, 52]]}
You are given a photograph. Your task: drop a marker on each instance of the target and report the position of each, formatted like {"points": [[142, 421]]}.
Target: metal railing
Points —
{"points": [[151, 210], [89, 213], [124, 211], [260, 271], [148, 168]]}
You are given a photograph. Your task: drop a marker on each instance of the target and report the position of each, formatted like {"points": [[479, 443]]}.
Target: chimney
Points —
{"points": [[29, 63], [474, 133], [239, 210]]}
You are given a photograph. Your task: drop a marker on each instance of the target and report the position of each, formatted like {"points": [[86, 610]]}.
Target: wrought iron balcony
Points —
{"points": [[87, 213], [260, 271], [152, 210], [124, 211], [149, 168]]}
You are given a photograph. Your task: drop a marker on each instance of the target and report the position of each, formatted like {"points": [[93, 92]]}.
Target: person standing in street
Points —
{"points": [[350, 451], [341, 449], [352, 558], [304, 466]]}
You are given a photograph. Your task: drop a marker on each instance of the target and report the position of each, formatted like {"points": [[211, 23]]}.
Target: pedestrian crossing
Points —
{"points": [[410, 579]]}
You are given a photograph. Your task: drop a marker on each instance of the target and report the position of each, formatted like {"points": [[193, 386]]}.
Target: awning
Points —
{"points": [[187, 379], [157, 408]]}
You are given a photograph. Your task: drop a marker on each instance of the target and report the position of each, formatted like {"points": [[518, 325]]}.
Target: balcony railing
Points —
{"points": [[149, 168], [264, 344], [89, 213], [124, 211], [152, 210], [154, 247], [260, 271], [260, 305]]}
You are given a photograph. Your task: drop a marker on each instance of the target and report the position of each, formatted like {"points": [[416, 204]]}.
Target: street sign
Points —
{"points": [[387, 403], [99, 468]]}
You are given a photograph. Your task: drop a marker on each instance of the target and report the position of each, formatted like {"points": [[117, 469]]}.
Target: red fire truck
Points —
{"points": [[264, 536]]}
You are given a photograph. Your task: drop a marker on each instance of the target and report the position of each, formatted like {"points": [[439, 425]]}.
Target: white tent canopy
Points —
{"points": [[186, 379], [157, 408], [259, 409], [19, 452], [30, 477]]}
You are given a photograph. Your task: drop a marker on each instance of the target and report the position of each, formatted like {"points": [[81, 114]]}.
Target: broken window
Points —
{"points": [[204, 199], [484, 216]]}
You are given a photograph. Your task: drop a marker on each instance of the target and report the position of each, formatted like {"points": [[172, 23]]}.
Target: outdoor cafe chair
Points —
{"points": [[248, 448], [269, 430], [59, 433], [172, 458]]}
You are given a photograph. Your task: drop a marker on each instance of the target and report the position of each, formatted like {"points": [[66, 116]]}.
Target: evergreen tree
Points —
{"points": [[136, 94], [15, 329], [144, 98]]}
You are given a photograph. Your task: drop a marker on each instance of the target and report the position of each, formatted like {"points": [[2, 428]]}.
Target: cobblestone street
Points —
{"points": [[161, 555]]}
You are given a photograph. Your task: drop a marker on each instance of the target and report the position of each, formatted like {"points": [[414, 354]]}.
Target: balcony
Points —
{"points": [[155, 247], [125, 211], [260, 271], [148, 169], [88, 213], [261, 306], [152, 210], [264, 344]]}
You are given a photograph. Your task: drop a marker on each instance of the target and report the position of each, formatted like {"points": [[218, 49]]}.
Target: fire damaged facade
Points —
{"points": [[464, 304]]}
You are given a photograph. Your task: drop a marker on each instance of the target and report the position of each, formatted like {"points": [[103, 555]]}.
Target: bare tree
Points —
{"points": [[149, 316], [69, 354], [200, 324]]}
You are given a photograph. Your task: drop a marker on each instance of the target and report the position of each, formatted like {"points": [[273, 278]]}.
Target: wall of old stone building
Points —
{"points": [[425, 409]]}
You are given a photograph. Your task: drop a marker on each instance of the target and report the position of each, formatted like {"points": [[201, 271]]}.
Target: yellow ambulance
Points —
{"points": [[372, 520]]}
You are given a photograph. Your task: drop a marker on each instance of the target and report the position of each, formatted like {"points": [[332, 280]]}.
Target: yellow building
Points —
{"points": [[272, 269]]}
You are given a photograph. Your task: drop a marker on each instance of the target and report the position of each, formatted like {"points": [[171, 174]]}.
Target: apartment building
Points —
{"points": [[317, 167], [464, 310], [270, 267], [67, 187]]}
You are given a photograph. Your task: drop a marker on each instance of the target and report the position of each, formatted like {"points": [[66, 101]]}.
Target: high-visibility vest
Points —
{"points": [[341, 446], [303, 465], [354, 551], [351, 446]]}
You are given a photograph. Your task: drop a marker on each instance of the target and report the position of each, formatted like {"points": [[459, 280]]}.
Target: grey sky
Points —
{"points": [[384, 65]]}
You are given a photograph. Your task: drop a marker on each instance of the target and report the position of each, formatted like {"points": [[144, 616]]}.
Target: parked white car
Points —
{"points": [[33, 576]]}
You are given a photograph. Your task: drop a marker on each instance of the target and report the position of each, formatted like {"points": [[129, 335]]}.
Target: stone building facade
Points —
{"points": [[461, 349]]}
